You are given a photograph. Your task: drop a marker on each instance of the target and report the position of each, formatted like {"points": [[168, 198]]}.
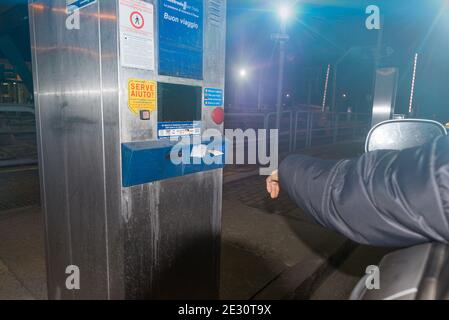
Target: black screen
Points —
{"points": [[177, 102]]}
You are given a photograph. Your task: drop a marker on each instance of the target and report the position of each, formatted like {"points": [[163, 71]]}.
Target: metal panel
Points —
{"points": [[112, 150], [70, 107], [145, 208], [384, 94], [173, 238], [69, 103], [215, 61]]}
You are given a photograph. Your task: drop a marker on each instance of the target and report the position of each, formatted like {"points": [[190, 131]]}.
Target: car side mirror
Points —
{"points": [[403, 134]]}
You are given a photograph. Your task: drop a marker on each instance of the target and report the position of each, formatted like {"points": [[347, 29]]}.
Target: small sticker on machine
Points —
{"points": [[178, 129], [142, 95], [137, 34], [213, 97]]}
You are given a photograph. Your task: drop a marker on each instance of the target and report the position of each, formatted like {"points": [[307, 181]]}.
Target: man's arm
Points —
{"points": [[385, 198]]}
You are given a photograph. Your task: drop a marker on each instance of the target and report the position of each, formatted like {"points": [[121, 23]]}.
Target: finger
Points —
{"points": [[274, 190], [269, 188], [277, 191]]}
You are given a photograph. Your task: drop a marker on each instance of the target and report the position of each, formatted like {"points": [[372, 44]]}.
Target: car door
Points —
{"points": [[419, 272]]}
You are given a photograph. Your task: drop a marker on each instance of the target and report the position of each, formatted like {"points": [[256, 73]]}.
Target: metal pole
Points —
{"points": [[259, 92], [325, 87], [309, 129], [377, 57], [334, 87], [282, 45], [412, 91]]}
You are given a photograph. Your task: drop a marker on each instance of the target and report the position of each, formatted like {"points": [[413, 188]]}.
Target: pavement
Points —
{"points": [[22, 254], [270, 248], [259, 247], [19, 188]]}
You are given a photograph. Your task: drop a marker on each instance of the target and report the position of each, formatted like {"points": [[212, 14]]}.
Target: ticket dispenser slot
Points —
{"points": [[146, 162]]}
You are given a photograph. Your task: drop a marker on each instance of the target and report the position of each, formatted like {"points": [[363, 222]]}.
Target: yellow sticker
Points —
{"points": [[142, 95]]}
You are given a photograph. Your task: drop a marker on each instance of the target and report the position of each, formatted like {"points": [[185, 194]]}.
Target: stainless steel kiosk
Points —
{"points": [[116, 81]]}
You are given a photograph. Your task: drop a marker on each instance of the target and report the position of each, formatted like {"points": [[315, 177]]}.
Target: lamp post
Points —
{"points": [[334, 78], [242, 75], [282, 37], [259, 91]]}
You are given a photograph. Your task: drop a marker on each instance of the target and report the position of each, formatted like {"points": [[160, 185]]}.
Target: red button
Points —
{"points": [[218, 115]]}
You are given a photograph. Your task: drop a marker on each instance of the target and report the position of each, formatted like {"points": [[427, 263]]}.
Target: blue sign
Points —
{"points": [[167, 130], [213, 97], [181, 38], [73, 5]]}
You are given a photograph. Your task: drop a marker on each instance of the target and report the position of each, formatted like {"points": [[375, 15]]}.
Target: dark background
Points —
{"points": [[322, 31]]}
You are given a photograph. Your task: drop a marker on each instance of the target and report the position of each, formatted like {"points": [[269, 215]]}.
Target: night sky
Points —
{"points": [[323, 31]]}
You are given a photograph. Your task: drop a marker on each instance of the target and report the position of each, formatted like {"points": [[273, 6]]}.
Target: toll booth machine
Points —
{"points": [[117, 83]]}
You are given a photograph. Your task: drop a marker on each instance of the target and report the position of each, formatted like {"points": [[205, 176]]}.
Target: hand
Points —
{"points": [[273, 187]]}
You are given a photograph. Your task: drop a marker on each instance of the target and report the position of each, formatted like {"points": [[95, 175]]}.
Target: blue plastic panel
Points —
{"points": [[145, 162], [181, 38]]}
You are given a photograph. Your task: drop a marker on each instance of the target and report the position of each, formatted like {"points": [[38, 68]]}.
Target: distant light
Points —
{"points": [[344, 95], [287, 95], [243, 73], [284, 12]]}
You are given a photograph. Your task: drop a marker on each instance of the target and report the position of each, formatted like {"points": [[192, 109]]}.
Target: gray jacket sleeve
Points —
{"points": [[384, 198]]}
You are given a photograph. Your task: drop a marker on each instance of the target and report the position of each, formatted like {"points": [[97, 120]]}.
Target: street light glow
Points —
{"points": [[242, 73], [284, 13]]}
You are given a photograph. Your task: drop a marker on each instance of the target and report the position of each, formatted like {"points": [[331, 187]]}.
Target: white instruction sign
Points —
{"points": [[137, 34]]}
